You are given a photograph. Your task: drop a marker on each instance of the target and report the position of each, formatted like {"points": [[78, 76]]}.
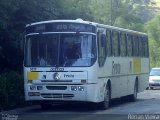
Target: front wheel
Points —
{"points": [[105, 104]]}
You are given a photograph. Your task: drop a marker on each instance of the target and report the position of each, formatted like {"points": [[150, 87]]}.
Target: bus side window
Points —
{"points": [[109, 43], [123, 44], [101, 49], [140, 47], [147, 47], [126, 44], [116, 46], [136, 46], [129, 42], [146, 50]]}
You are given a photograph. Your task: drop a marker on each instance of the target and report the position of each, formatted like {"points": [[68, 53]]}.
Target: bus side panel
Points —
{"points": [[142, 75], [119, 76], [144, 78], [115, 69]]}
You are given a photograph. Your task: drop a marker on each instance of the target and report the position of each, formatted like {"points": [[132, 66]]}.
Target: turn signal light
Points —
{"points": [[83, 81]]}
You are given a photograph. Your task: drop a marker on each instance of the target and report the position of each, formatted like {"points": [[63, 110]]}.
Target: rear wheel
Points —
{"points": [[133, 97], [151, 88], [105, 104]]}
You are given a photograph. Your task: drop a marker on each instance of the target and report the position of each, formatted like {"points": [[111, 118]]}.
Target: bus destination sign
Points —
{"points": [[72, 27], [60, 27]]}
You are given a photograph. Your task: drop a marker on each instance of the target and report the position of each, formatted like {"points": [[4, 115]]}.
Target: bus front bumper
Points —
{"points": [[83, 93]]}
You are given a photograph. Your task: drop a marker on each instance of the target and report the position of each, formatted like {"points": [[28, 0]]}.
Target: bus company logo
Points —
{"points": [[56, 76], [9, 117]]}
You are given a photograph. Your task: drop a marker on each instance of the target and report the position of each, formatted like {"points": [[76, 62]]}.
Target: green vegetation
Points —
{"points": [[11, 90], [153, 29], [15, 14]]}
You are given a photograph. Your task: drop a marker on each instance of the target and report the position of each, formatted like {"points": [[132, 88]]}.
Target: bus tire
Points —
{"points": [[133, 97], [151, 88], [107, 94]]}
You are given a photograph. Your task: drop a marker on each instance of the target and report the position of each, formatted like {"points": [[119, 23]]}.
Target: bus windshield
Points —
{"points": [[60, 50], [155, 72]]}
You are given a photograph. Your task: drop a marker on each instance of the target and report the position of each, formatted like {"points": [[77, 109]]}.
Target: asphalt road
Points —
{"points": [[147, 107]]}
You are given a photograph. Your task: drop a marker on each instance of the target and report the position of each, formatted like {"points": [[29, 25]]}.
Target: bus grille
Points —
{"points": [[62, 96], [56, 87]]}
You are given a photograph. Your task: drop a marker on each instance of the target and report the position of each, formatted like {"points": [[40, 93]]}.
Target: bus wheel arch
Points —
{"points": [[107, 96], [136, 82], [133, 97]]}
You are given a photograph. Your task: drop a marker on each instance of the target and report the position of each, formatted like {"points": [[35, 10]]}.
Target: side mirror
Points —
{"points": [[103, 40]]}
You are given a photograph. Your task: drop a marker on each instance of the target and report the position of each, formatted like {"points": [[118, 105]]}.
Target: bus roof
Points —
{"points": [[53, 21], [90, 23]]}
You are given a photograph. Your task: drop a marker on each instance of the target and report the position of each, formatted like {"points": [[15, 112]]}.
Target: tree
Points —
{"points": [[15, 14], [153, 30], [73, 9], [131, 14], [100, 11]]}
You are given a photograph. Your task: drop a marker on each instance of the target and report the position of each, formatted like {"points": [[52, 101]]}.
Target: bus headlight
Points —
{"points": [[77, 88], [74, 88], [80, 88], [32, 87]]}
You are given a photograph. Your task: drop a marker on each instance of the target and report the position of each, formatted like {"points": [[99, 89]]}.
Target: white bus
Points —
{"points": [[82, 61]]}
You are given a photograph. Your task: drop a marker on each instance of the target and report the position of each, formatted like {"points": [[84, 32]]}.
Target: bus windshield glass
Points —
{"points": [[60, 50], [155, 72]]}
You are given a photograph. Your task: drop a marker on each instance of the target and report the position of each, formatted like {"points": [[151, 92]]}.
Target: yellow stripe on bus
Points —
{"points": [[32, 75], [137, 65]]}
